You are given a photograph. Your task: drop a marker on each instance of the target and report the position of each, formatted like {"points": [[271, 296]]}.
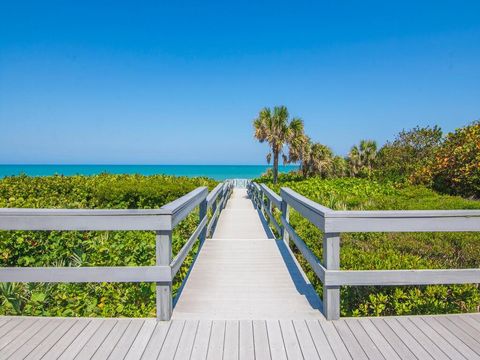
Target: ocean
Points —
{"points": [[217, 172]]}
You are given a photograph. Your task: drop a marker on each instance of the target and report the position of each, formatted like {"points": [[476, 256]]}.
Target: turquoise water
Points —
{"points": [[217, 172]]}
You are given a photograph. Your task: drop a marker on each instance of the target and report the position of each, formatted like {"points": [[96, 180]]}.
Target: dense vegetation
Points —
{"points": [[390, 250], [421, 155], [91, 248]]}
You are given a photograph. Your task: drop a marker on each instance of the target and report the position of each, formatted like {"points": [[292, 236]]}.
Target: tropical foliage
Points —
{"points": [[454, 167], [88, 248], [367, 251]]}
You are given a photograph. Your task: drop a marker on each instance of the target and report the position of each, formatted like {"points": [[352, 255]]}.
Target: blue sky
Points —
{"points": [[179, 82]]}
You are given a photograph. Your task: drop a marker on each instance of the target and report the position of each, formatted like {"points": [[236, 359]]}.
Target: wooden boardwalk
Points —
{"points": [[244, 273], [245, 298]]}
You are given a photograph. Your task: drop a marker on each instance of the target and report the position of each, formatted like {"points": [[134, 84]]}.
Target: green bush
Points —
{"points": [[377, 251], [88, 248]]}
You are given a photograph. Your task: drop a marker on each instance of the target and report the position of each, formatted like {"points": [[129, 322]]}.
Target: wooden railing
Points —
{"points": [[162, 221], [332, 223]]}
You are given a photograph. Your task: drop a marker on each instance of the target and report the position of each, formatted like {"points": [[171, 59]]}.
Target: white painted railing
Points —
{"points": [[332, 223], [162, 221]]}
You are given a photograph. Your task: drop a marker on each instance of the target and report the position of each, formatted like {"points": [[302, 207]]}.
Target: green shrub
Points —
{"points": [[88, 248]]}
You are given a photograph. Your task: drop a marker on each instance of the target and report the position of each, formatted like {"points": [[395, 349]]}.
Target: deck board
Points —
{"points": [[435, 337]]}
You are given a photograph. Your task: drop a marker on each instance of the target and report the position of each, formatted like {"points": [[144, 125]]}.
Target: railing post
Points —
{"points": [[203, 213], [164, 258], [286, 215], [331, 261]]}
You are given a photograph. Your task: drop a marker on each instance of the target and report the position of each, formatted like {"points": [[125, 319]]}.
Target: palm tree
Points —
{"points": [[362, 157], [355, 160], [278, 130], [368, 152], [321, 160]]}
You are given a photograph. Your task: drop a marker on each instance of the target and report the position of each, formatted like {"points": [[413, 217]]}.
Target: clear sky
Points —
{"points": [[176, 82]]}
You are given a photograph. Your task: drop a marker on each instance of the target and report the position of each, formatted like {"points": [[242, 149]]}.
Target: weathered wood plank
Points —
{"points": [[275, 339], [408, 339], [141, 340], [217, 339], [202, 339], [350, 341], [80, 340], [395, 342], [335, 341], [64, 342], [107, 346], [455, 328], [307, 346], [37, 349], [125, 341], [454, 347], [290, 339], [246, 340], [185, 345], [97, 339], [156, 340], [16, 342], [364, 340], [401, 277], [172, 340], [161, 274], [232, 335], [380, 342], [320, 341], [260, 339]]}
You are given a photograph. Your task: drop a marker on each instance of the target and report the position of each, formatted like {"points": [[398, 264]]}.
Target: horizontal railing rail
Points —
{"points": [[333, 222], [162, 221]]}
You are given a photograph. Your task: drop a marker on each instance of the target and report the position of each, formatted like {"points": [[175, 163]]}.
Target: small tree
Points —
{"points": [[276, 128]]}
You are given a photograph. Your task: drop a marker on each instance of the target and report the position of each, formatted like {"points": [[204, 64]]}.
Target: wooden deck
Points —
{"points": [[245, 298], [423, 337]]}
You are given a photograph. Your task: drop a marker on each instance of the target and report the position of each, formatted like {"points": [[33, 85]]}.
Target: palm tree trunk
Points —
{"points": [[275, 166]]}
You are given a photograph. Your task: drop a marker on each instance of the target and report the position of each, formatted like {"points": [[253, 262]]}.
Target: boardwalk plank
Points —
{"points": [[408, 339], [382, 344], [97, 339], [364, 340], [129, 336], [172, 340], [321, 343], [246, 347], [202, 339], [25, 337], [15, 329], [275, 339], [217, 339], [232, 335], [290, 340], [68, 338], [335, 341], [450, 344], [260, 339], [455, 327], [395, 342], [185, 344], [110, 342], [141, 340], [79, 342], [45, 343], [307, 346], [156, 340], [423, 339], [354, 348]]}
